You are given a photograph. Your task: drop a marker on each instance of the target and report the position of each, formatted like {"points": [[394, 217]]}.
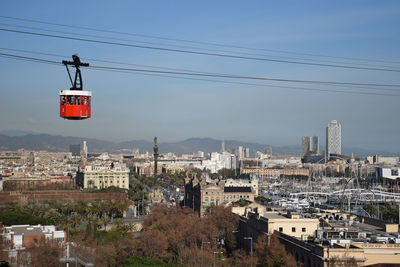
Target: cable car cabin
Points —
{"points": [[75, 104]]}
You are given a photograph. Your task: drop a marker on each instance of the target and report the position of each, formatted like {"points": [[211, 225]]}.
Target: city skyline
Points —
{"points": [[189, 145]]}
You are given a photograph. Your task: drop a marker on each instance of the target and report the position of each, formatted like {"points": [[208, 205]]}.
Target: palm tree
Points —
{"points": [[113, 208], [105, 220], [82, 207], [53, 216], [122, 206], [94, 208], [75, 218], [118, 223], [104, 208]]}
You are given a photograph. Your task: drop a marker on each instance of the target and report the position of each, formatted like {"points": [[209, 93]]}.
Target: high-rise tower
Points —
{"points": [[333, 138], [85, 149], [309, 145]]}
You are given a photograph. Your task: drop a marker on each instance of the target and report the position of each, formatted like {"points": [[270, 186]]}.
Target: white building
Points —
{"points": [[247, 152], [104, 156], [103, 177], [386, 160], [333, 138], [389, 173], [21, 236], [239, 152]]}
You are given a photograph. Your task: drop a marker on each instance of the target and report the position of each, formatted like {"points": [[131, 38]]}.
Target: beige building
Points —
{"points": [[253, 183], [289, 223], [338, 245], [174, 169], [277, 172], [362, 254], [103, 177], [156, 195], [250, 207], [201, 194]]}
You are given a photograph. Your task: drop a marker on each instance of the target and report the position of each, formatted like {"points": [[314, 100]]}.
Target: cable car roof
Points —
{"points": [[75, 92]]}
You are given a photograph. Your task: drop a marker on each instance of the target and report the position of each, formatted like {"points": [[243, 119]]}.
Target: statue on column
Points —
{"points": [[155, 149]]}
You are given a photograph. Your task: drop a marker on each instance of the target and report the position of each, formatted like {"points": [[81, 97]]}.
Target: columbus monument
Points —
{"points": [[155, 148]]}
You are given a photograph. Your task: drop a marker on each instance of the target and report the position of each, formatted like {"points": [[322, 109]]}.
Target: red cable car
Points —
{"points": [[75, 104]]}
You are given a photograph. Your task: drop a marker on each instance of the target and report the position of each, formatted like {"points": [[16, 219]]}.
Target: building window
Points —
{"points": [[217, 202], [303, 229], [206, 202], [293, 229], [281, 229]]}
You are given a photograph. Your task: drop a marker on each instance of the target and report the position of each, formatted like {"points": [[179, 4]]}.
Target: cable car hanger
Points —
{"points": [[76, 85]]}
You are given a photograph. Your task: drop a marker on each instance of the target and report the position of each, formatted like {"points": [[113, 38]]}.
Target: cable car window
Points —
{"points": [[69, 100], [88, 100], [77, 100], [84, 100], [62, 99]]}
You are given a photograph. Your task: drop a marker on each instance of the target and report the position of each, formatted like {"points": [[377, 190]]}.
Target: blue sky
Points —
{"points": [[127, 107]]}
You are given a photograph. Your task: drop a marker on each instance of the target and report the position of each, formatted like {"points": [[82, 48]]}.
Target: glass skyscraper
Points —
{"points": [[309, 145], [333, 138]]}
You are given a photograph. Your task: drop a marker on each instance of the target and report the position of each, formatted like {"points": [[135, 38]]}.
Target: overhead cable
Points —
{"points": [[197, 52], [196, 42], [160, 73], [197, 48]]}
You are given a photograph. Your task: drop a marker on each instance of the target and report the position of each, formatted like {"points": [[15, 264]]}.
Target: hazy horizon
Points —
{"points": [[347, 149]]}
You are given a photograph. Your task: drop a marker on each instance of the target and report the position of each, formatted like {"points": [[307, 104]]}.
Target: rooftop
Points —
{"points": [[30, 230], [273, 215], [27, 230]]}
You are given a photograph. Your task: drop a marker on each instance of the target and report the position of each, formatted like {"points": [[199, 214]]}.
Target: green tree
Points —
{"points": [[11, 217], [371, 209]]}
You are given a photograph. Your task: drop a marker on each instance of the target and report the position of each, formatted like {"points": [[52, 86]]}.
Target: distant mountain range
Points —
{"points": [[58, 143], [16, 132], [15, 140]]}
